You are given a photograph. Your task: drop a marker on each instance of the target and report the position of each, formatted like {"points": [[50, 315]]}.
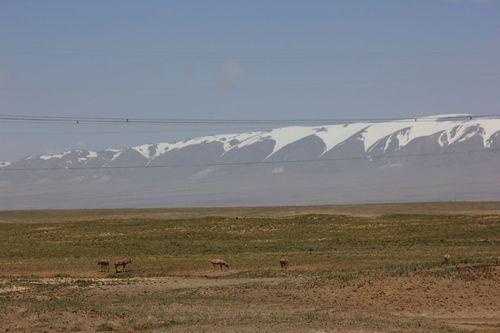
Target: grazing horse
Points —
{"points": [[103, 265], [123, 263], [219, 262], [284, 263]]}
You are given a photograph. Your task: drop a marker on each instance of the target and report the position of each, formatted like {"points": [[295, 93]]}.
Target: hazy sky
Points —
{"points": [[238, 59]]}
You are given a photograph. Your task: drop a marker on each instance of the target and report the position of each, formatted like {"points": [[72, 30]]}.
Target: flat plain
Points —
{"points": [[352, 268]]}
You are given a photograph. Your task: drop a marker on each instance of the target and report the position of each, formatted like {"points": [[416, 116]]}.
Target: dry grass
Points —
{"points": [[366, 210]]}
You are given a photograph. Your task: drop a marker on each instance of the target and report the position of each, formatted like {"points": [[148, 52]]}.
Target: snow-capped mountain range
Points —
{"points": [[391, 151], [379, 136]]}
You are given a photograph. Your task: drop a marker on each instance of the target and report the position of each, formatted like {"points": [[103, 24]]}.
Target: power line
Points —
{"points": [[209, 189], [275, 85], [187, 191], [40, 49], [148, 166], [151, 131], [221, 121]]}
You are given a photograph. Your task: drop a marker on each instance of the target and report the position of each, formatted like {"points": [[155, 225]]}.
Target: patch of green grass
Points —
{"points": [[164, 247], [104, 327], [64, 303]]}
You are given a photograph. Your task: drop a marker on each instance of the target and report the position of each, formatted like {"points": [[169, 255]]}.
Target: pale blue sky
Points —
{"points": [[238, 59]]}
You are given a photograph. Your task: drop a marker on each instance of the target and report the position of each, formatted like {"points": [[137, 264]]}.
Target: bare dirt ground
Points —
{"points": [[378, 302]]}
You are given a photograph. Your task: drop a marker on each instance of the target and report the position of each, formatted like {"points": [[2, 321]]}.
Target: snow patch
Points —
{"points": [[374, 132], [334, 135], [92, 154], [285, 136], [490, 128], [448, 116], [60, 155], [116, 155], [407, 131], [229, 141], [144, 150]]}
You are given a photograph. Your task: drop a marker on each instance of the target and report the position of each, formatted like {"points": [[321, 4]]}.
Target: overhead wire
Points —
{"points": [[72, 51], [150, 131], [267, 84], [184, 190], [265, 162], [225, 121]]}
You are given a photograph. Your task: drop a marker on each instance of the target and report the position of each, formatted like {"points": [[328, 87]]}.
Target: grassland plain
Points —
{"points": [[367, 268]]}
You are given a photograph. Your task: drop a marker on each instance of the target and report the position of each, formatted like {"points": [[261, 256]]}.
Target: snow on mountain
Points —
{"points": [[333, 135], [144, 150], [490, 127], [115, 153], [229, 141], [60, 155], [401, 132], [82, 155], [91, 154]]}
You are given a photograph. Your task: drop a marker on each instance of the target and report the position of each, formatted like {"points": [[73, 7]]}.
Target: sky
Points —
{"points": [[236, 59]]}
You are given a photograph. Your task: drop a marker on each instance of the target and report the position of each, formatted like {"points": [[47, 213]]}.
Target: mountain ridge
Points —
{"points": [[400, 133]]}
